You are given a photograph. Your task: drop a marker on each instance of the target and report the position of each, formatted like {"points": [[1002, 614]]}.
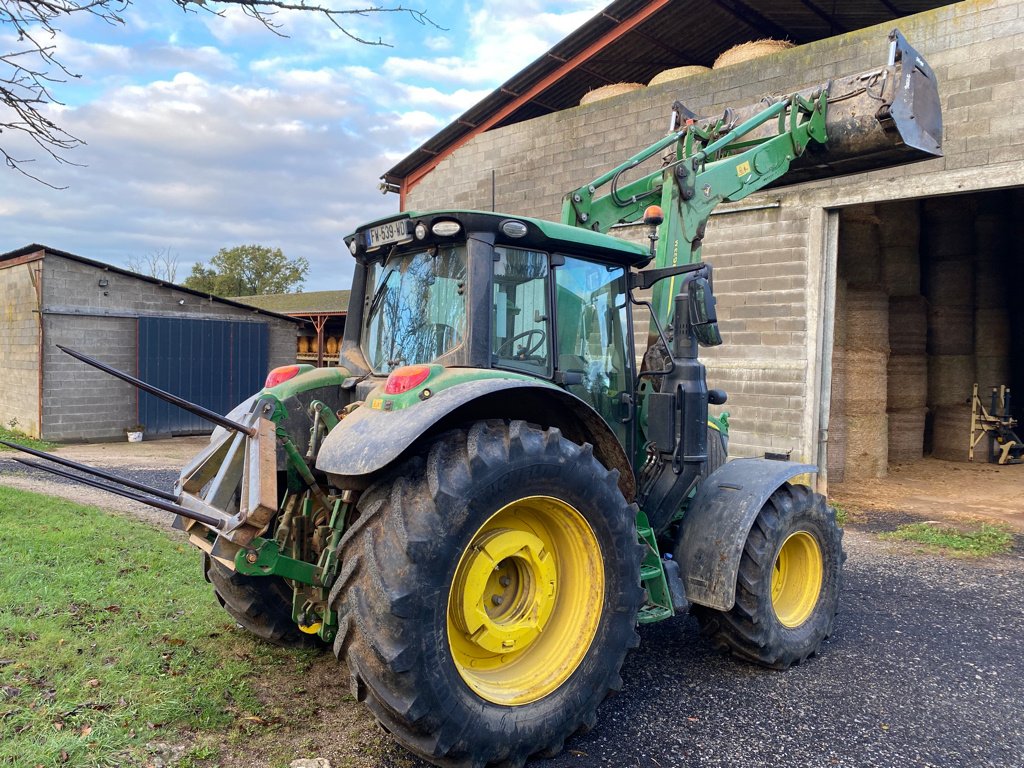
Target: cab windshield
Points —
{"points": [[416, 308]]}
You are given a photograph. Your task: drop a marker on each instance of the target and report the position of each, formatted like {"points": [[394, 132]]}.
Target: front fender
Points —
{"points": [[718, 520], [367, 440]]}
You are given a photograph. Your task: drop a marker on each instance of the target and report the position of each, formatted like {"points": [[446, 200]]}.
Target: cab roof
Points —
{"points": [[540, 235]]}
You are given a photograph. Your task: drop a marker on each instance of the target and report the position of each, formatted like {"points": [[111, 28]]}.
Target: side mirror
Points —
{"points": [[703, 316]]}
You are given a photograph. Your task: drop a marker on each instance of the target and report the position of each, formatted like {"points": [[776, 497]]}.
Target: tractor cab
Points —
{"points": [[484, 290]]}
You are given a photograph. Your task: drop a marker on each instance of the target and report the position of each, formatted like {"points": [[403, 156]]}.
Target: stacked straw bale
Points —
{"points": [[865, 362], [860, 244], [948, 242], [907, 392], [992, 319], [899, 230]]}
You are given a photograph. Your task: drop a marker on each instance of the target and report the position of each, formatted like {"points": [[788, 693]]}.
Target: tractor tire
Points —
{"points": [[262, 605], [488, 594], [787, 592], [718, 452]]}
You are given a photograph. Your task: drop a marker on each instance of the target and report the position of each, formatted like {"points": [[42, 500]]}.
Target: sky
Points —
{"points": [[206, 132]]}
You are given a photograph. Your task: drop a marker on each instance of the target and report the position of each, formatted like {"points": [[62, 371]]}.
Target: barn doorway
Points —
{"points": [[928, 303]]}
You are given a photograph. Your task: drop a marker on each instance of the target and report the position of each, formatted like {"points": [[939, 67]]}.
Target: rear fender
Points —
{"points": [[368, 440], [718, 520]]}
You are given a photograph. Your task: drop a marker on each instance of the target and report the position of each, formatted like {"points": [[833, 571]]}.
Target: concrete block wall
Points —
{"points": [[81, 403], [770, 262], [19, 348]]}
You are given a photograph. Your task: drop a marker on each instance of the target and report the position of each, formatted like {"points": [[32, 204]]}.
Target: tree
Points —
{"points": [[30, 73], [248, 270], [160, 263]]}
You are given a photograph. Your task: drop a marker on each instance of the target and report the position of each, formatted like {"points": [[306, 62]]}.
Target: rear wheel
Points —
{"points": [[787, 592], [488, 594], [260, 604]]}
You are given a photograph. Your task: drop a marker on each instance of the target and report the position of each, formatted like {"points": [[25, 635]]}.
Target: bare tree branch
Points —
{"points": [[159, 263], [30, 72]]}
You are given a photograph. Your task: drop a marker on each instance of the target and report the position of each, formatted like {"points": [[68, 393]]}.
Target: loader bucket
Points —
{"points": [[886, 116], [877, 119]]}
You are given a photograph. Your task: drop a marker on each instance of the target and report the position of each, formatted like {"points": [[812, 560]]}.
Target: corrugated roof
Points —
{"points": [[36, 248], [311, 303], [633, 40]]}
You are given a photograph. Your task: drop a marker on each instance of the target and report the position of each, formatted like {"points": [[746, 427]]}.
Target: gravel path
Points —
{"points": [[925, 669]]}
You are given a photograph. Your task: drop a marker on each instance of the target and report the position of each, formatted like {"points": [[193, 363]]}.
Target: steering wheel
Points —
{"points": [[501, 351]]}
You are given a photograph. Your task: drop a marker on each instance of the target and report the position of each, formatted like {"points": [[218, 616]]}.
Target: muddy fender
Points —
{"points": [[369, 439], [718, 520]]}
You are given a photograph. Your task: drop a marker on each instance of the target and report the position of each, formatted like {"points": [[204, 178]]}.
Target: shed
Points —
{"points": [[323, 311], [857, 312], [208, 350]]}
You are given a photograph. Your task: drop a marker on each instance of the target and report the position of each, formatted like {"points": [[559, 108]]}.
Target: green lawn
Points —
{"points": [[109, 639]]}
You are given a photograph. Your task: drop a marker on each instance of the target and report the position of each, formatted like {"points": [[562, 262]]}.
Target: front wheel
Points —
{"points": [[787, 592], [489, 594]]}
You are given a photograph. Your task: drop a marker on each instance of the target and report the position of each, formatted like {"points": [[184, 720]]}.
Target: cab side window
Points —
{"points": [[520, 319], [592, 306]]}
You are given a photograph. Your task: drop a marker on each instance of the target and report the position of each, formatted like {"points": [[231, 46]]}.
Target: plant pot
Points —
{"points": [[134, 437]]}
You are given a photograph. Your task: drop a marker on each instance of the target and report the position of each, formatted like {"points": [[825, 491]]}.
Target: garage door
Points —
{"points": [[214, 363]]}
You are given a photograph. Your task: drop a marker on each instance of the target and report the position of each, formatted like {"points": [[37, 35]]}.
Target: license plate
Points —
{"points": [[388, 234]]}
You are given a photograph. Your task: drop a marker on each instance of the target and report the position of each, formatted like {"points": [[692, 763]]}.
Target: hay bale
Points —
{"points": [[867, 446], [899, 225], [908, 325], [991, 371], [303, 345], [748, 51], [677, 73], [906, 435], [866, 381], [867, 320], [860, 257], [839, 378], [990, 239], [901, 270], [950, 379], [952, 435], [948, 227], [951, 330], [839, 324], [835, 449], [332, 345], [907, 382], [608, 91], [991, 286], [992, 332], [950, 283]]}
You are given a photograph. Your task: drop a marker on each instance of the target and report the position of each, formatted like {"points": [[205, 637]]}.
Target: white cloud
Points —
{"points": [[202, 141]]}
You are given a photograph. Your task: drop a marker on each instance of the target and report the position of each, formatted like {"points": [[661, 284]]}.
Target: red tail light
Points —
{"points": [[281, 374], [405, 378]]}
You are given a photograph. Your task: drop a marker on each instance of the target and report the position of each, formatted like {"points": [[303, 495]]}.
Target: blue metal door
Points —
{"points": [[215, 363]]}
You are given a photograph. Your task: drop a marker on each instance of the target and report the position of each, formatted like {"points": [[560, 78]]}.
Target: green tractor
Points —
{"points": [[479, 505]]}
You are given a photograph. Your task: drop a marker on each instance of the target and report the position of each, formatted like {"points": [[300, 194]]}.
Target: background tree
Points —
{"points": [[30, 73], [248, 270], [160, 263]]}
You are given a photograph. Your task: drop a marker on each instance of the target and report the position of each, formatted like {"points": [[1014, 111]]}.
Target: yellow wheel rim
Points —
{"points": [[526, 601], [796, 579]]}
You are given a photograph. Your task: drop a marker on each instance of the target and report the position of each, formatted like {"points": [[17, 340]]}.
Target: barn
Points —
{"points": [[207, 350], [858, 312]]}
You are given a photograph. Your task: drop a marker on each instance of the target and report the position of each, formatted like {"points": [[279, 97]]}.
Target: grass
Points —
{"points": [[841, 515], [11, 434], [984, 540], [110, 640]]}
